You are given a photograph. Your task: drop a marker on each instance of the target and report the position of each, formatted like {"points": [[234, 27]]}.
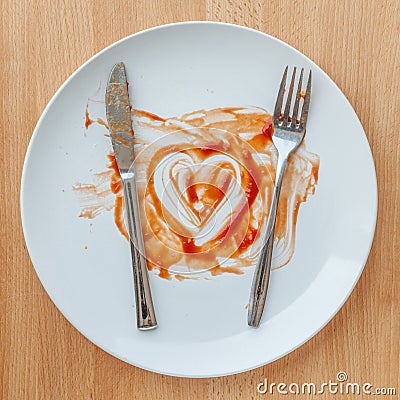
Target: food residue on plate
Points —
{"points": [[205, 183]]}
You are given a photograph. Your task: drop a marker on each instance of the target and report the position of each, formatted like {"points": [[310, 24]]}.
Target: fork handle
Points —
{"points": [[145, 314], [263, 268]]}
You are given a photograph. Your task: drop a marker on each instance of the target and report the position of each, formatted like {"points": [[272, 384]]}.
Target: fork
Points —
{"points": [[288, 134]]}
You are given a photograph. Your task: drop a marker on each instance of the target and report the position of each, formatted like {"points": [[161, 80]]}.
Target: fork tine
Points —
{"points": [[279, 99], [306, 104], [289, 98], [297, 102]]}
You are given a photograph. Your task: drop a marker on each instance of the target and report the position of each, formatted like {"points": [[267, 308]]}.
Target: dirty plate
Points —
{"points": [[84, 264]]}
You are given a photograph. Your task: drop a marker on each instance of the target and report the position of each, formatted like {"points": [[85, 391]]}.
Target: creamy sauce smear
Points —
{"points": [[205, 183]]}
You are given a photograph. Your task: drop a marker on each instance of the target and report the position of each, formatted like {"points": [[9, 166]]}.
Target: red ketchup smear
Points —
{"points": [[88, 121], [116, 187], [214, 194], [152, 116], [164, 273], [251, 191], [248, 240], [116, 183], [192, 194], [218, 270], [102, 122], [268, 129], [210, 195], [188, 245]]}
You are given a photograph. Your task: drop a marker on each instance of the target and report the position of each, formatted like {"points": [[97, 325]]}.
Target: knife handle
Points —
{"points": [[145, 314]]}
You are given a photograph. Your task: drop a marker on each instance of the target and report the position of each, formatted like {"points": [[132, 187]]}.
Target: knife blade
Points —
{"points": [[118, 113]]}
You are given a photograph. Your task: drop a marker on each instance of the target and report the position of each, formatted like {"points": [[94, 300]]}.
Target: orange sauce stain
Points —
{"points": [[218, 270], [151, 116], [116, 188], [88, 121], [181, 278], [119, 139], [118, 216], [102, 122], [248, 240], [164, 273], [268, 129], [115, 183], [192, 194], [238, 234], [87, 214], [188, 245]]}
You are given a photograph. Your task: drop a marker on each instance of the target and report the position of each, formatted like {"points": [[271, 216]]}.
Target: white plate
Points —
{"points": [[203, 328]]}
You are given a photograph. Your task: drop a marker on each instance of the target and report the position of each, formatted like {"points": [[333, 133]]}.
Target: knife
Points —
{"points": [[120, 125]]}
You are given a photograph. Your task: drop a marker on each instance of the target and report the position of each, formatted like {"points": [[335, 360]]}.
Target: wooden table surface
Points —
{"points": [[356, 42]]}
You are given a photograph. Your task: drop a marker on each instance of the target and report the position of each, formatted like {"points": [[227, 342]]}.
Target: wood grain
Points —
{"points": [[356, 42]]}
